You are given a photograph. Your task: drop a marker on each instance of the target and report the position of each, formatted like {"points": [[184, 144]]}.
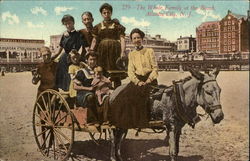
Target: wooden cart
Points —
{"points": [[55, 123]]}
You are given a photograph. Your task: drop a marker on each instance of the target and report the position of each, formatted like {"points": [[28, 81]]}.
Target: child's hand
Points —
{"points": [[34, 72], [91, 88]]}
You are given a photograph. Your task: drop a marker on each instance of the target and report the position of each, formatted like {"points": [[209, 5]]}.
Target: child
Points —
{"points": [[45, 72], [101, 85], [73, 68]]}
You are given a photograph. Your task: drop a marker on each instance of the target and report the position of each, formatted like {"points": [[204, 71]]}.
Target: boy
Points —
{"points": [[101, 85], [45, 72]]}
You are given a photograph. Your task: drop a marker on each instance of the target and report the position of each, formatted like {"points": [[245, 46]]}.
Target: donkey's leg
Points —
{"points": [[178, 134], [112, 146], [120, 135], [172, 142]]}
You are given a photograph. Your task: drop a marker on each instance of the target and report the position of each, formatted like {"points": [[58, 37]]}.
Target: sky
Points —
{"points": [[171, 19]]}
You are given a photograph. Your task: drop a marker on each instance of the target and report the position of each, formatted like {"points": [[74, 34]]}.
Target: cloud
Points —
{"points": [[208, 13], [164, 12], [38, 10], [10, 18], [134, 22], [59, 10], [31, 25]]}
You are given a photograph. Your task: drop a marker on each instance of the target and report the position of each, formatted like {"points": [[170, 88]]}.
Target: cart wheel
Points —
{"points": [[98, 137], [53, 125]]}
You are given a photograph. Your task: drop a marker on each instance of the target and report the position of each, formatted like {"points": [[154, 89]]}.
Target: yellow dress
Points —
{"points": [[129, 105], [72, 70], [142, 63]]}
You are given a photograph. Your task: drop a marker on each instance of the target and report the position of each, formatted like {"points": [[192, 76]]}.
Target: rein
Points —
{"points": [[181, 106]]}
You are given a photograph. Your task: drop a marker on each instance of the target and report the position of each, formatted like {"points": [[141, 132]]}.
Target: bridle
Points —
{"points": [[208, 109]]}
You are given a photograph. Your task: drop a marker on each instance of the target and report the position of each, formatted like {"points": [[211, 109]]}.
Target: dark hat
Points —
{"points": [[122, 63]]}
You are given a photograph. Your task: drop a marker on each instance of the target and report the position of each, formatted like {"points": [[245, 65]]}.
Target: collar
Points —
{"points": [[72, 31], [138, 48], [107, 22]]}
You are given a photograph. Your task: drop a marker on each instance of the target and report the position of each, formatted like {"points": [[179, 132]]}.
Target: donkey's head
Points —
{"points": [[208, 96]]}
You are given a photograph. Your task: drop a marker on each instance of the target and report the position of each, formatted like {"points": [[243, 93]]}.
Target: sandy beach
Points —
{"points": [[227, 141]]}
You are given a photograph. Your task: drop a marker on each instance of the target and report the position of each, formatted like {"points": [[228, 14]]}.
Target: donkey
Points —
{"points": [[200, 90]]}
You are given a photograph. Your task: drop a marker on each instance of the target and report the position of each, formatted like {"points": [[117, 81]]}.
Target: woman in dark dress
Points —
{"points": [[71, 39], [109, 36], [129, 104]]}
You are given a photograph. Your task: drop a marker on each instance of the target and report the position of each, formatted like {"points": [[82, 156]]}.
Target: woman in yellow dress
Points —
{"points": [[109, 40], [129, 103]]}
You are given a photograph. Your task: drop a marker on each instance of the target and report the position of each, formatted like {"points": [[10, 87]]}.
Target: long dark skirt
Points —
{"points": [[129, 106], [108, 52], [62, 75]]}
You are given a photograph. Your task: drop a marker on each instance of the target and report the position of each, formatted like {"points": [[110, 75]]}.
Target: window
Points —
{"points": [[233, 41], [229, 48], [225, 35], [185, 41], [233, 34], [233, 28], [229, 22], [229, 35], [229, 28], [225, 48], [233, 48], [203, 34], [225, 28], [229, 42], [232, 22], [225, 23], [225, 42]]}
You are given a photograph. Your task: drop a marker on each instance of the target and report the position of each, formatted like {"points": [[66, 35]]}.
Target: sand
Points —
{"points": [[227, 141]]}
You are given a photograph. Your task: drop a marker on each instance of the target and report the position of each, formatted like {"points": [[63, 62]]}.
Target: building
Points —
{"points": [[21, 49], [21, 54], [227, 36], [234, 33], [157, 43], [207, 37], [54, 42], [186, 44]]}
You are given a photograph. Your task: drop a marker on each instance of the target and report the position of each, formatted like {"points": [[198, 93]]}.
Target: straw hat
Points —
{"points": [[45, 50], [122, 63]]}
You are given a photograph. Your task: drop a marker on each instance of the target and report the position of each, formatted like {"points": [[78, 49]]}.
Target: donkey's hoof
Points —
{"points": [[173, 158], [119, 158], [112, 159]]}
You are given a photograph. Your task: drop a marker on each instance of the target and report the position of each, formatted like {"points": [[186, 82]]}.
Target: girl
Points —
{"points": [[71, 39]]}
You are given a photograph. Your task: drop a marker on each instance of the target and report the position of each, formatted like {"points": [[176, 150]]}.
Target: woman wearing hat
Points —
{"points": [[129, 104], [109, 36]]}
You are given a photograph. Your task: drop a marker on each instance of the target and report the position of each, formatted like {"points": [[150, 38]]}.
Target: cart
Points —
{"points": [[55, 123]]}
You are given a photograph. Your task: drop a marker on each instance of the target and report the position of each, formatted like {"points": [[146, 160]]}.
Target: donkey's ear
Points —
{"points": [[215, 71], [195, 73]]}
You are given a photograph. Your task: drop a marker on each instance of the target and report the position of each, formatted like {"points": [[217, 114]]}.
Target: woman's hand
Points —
{"points": [[148, 81], [141, 84], [122, 55]]}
